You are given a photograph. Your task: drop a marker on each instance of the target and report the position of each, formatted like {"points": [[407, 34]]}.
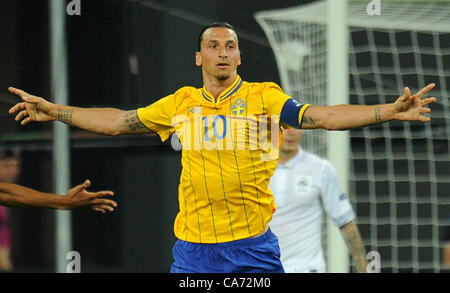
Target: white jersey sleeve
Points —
{"points": [[335, 201]]}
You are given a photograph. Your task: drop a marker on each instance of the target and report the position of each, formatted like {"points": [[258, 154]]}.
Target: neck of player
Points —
{"points": [[215, 85]]}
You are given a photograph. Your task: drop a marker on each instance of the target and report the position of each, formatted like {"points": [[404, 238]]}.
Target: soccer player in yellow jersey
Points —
{"points": [[230, 132]]}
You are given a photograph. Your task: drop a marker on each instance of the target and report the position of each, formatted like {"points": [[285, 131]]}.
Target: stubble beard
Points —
{"points": [[222, 77]]}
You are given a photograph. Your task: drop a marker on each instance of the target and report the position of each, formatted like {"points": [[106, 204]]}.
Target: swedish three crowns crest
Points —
{"points": [[238, 107]]}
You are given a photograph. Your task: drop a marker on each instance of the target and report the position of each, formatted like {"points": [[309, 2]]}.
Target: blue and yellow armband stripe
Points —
{"points": [[292, 113]]}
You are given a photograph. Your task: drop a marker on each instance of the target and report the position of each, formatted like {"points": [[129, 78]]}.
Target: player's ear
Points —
{"points": [[239, 51], [198, 58]]}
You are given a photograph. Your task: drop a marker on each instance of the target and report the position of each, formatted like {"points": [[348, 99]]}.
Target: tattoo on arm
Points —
{"points": [[65, 115], [132, 122], [308, 122], [355, 246], [377, 111]]}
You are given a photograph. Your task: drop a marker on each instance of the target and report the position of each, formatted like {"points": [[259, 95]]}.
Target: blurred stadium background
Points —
{"points": [[128, 54]]}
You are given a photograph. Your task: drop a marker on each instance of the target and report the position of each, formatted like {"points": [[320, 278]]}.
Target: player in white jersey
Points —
{"points": [[304, 186]]}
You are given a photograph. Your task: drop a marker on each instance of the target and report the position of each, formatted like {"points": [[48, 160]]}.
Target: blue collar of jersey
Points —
{"points": [[234, 87]]}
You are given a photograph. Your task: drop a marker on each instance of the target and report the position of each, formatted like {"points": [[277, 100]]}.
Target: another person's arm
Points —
{"points": [[355, 245], [446, 252], [5, 261], [5, 243], [338, 207], [341, 117], [109, 121], [16, 195]]}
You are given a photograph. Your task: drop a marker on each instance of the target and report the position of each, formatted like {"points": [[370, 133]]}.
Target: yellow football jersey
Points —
{"points": [[230, 151]]}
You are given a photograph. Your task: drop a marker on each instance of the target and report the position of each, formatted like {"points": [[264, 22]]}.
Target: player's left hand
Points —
{"points": [[79, 197], [412, 107]]}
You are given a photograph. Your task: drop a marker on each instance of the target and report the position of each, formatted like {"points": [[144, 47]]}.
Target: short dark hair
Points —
{"points": [[214, 24]]}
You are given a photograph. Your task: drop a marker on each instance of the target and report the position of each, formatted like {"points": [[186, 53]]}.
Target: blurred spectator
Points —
{"points": [[9, 171]]}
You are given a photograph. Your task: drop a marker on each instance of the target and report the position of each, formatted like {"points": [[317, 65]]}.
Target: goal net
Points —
{"points": [[399, 177]]}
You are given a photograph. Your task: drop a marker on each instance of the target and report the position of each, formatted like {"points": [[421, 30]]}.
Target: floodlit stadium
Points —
{"points": [[209, 110]]}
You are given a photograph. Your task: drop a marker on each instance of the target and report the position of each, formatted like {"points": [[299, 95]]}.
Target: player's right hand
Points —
{"points": [[32, 108]]}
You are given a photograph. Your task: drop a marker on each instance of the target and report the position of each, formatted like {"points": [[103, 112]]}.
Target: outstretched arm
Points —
{"points": [[342, 117], [16, 195], [355, 245], [109, 121]]}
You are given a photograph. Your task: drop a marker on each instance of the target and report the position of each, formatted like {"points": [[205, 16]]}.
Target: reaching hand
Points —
{"points": [[79, 197], [412, 107], [32, 108]]}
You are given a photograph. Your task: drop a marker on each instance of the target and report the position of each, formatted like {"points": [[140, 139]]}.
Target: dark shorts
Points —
{"points": [[251, 255]]}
